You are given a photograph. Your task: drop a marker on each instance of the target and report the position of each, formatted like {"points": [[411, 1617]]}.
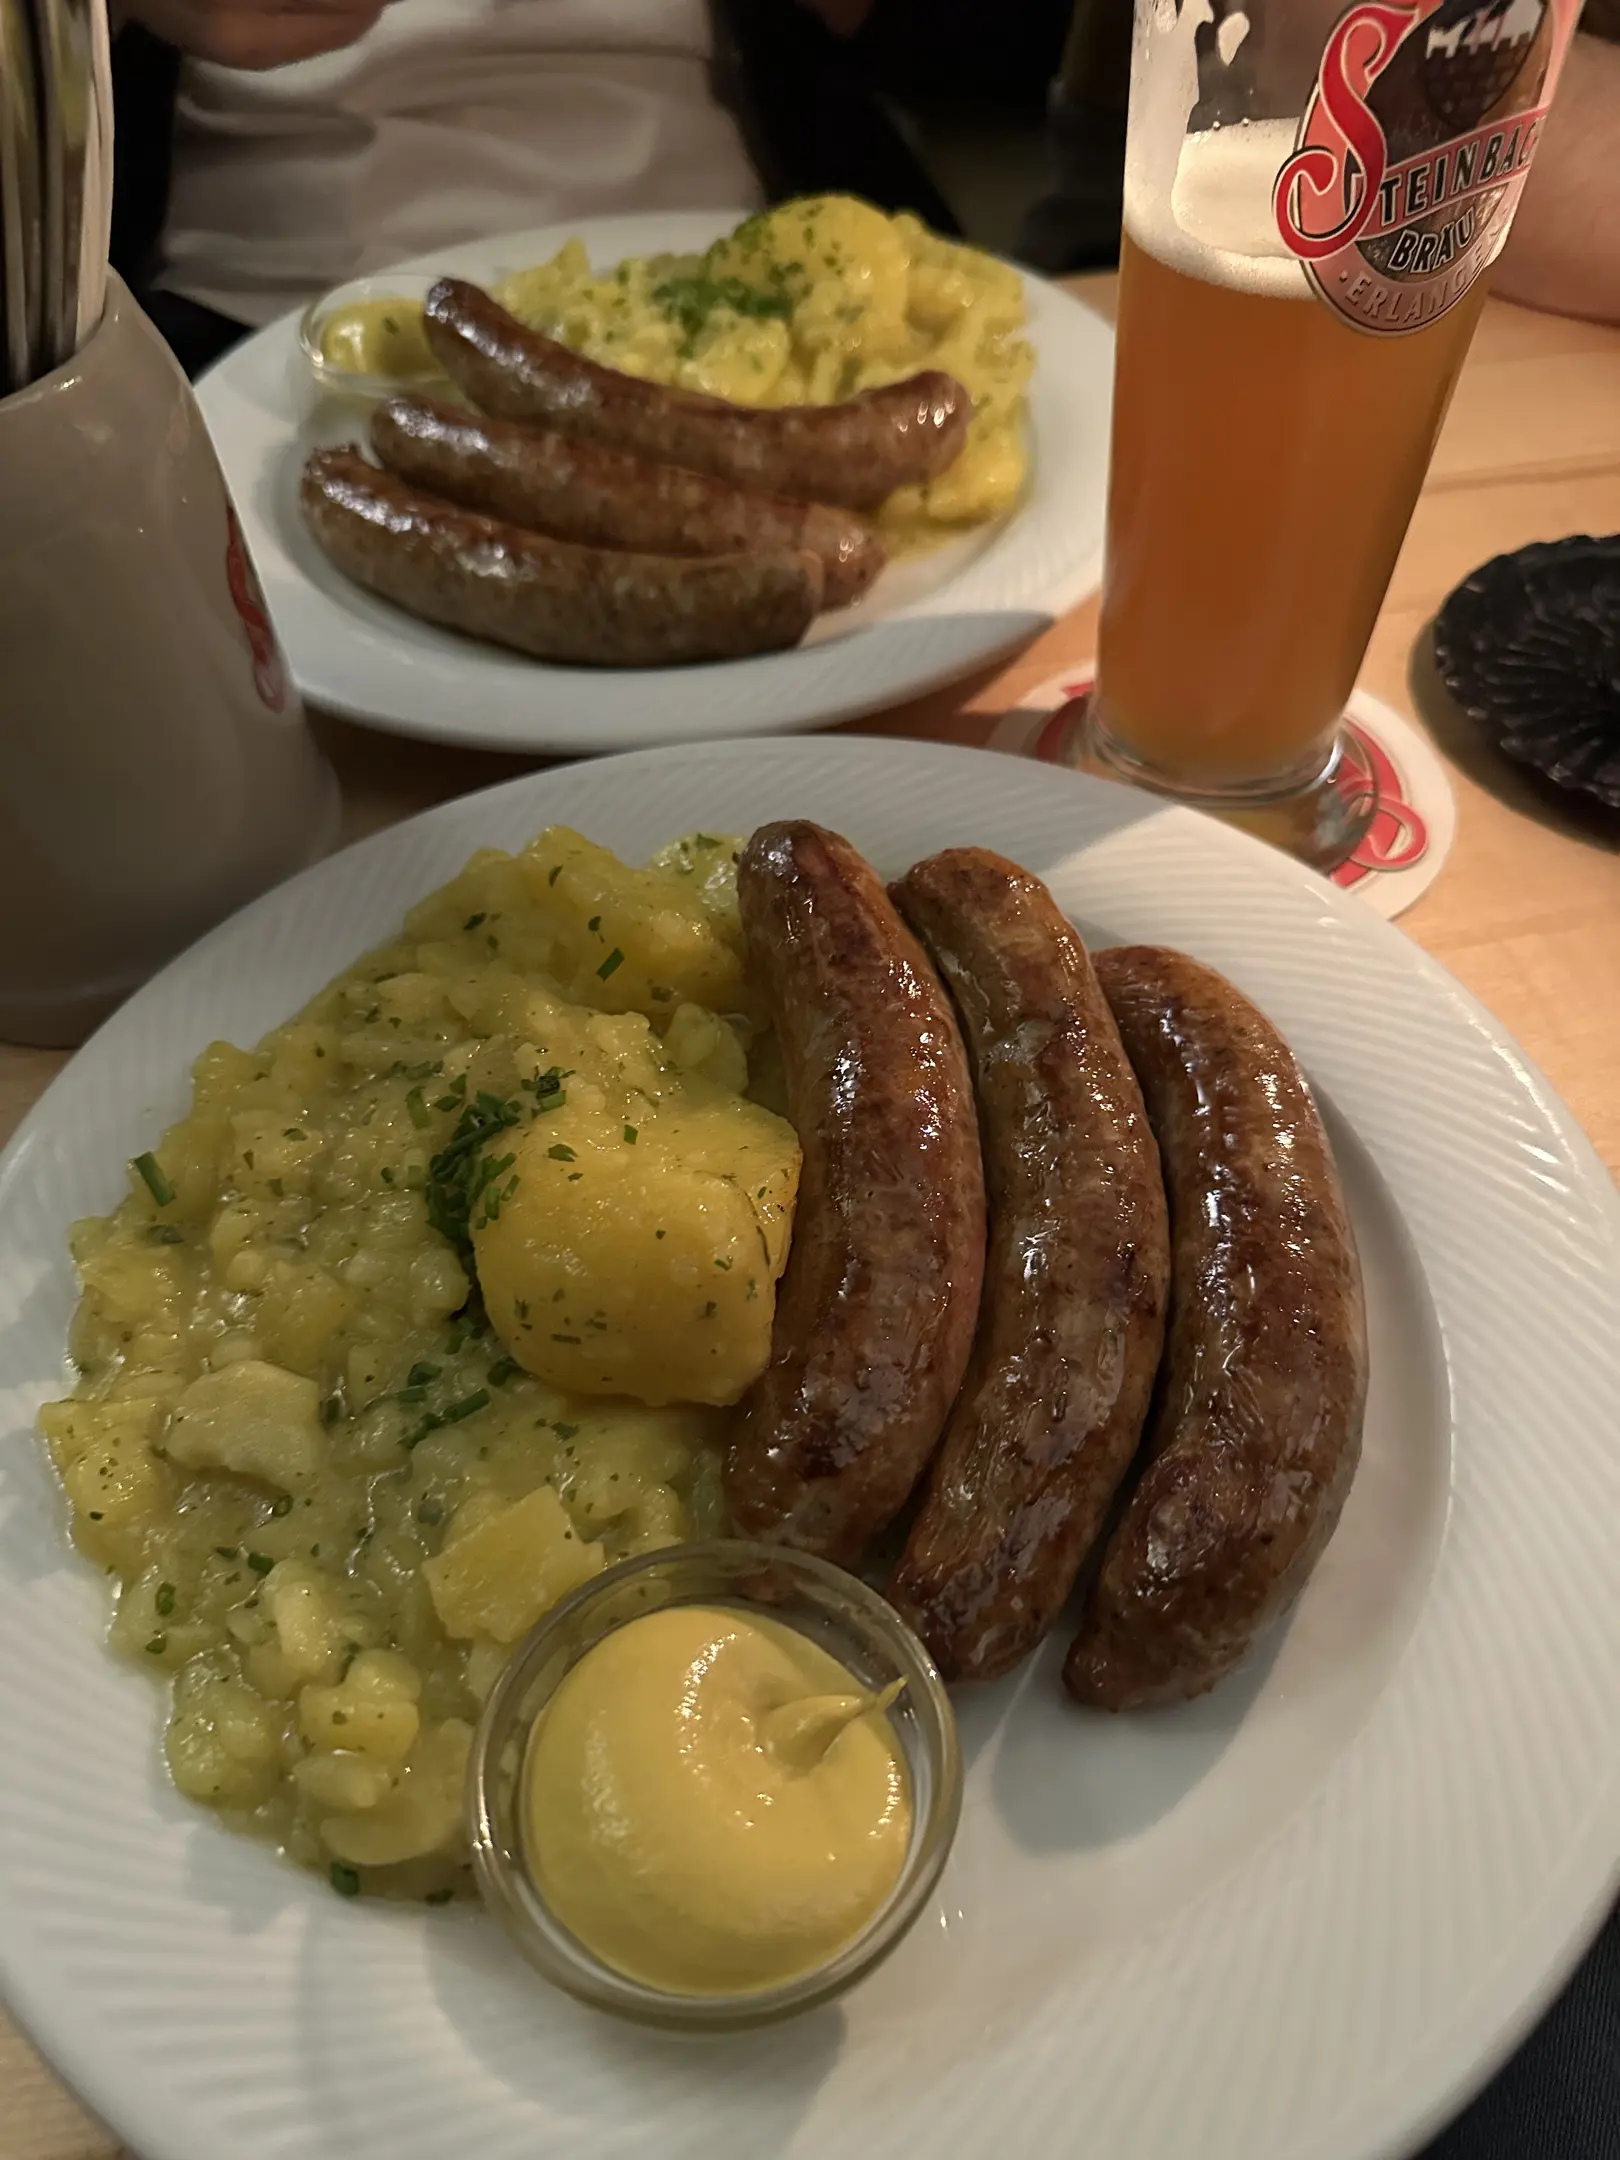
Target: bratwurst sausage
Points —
{"points": [[1072, 1321], [584, 606], [874, 1318], [580, 490], [1256, 1431], [854, 454]]}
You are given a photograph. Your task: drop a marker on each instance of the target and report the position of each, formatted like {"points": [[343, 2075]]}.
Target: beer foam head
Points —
{"points": [[1214, 220]]}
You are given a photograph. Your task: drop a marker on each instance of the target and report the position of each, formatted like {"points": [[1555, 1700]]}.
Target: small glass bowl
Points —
{"points": [[835, 1610], [347, 382]]}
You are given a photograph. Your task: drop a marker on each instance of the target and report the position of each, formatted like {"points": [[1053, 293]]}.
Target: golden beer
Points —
{"points": [[1266, 458], [1314, 193], [1253, 524]]}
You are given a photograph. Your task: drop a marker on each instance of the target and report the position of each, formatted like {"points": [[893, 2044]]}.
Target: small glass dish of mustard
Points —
{"points": [[365, 339], [714, 1787]]}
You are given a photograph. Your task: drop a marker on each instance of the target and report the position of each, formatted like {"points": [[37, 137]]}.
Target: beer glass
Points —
{"points": [[1313, 193]]}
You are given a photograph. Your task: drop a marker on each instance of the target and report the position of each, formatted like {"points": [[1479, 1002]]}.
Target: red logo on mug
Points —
{"points": [[247, 597]]}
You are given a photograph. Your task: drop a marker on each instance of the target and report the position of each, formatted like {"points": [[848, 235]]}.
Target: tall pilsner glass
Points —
{"points": [[1313, 194]]}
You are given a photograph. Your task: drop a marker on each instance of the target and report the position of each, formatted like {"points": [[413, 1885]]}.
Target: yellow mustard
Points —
{"points": [[379, 337], [712, 1803]]}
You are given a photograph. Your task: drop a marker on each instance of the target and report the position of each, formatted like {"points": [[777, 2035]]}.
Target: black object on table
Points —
{"points": [[1529, 646]]}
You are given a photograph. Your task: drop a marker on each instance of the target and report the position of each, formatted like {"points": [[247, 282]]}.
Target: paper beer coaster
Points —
{"points": [[1402, 851]]}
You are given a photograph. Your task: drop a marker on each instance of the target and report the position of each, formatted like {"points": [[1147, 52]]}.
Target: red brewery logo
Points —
{"points": [[1398, 837], [1414, 148], [247, 597]]}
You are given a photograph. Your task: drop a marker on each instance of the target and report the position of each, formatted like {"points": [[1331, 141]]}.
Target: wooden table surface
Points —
{"points": [[1526, 912]]}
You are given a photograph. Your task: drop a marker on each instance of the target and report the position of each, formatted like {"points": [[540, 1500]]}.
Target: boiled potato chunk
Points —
{"points": [[350, 1782], [371, 1711], [629, 940], [117, 1486], [315, 1630], [643, 1259], [498, 1577], [422, 1813], [224, 1746], [256, 1419]]}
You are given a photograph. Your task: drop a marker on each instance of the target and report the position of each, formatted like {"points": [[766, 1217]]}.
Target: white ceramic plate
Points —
{"points": [[926, 622], [1299, 1920]]}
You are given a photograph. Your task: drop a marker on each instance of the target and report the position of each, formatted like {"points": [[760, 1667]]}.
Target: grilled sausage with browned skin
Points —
{"points": [[1072, 1321], [874, 1318], [1256, 1432], [854, 454], [585, 606], [583, 491]]}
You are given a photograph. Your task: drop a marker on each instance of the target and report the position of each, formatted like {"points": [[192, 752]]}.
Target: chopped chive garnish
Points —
{"points": [[562, 1152], [417, 1108], [163, 1603], [504, 1369], [157, 1646], [420, 1374], [461, 1176], [150, 1172], [260, 1563], [468, 1406], [345, 1880], [473, 921], [280, 1506], [630, 1134], [611, 965], [164, 1233], [555, 874]]}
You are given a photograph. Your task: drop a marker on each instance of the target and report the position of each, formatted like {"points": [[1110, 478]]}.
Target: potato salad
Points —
{"points": [[807, 304], [432, 1306]]}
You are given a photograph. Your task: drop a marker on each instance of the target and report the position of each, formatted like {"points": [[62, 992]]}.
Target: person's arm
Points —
{"points": [[251, 33], [1563, 253]]}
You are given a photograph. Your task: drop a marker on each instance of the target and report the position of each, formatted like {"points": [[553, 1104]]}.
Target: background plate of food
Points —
{"points": [[1297, 1918], [966, 518]]}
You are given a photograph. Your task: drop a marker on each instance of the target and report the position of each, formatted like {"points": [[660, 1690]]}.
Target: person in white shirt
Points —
{"points": [[317, 140]]}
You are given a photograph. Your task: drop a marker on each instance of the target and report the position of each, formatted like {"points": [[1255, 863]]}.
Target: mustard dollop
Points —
{"points": [[712, 1803], [378, 337]]}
